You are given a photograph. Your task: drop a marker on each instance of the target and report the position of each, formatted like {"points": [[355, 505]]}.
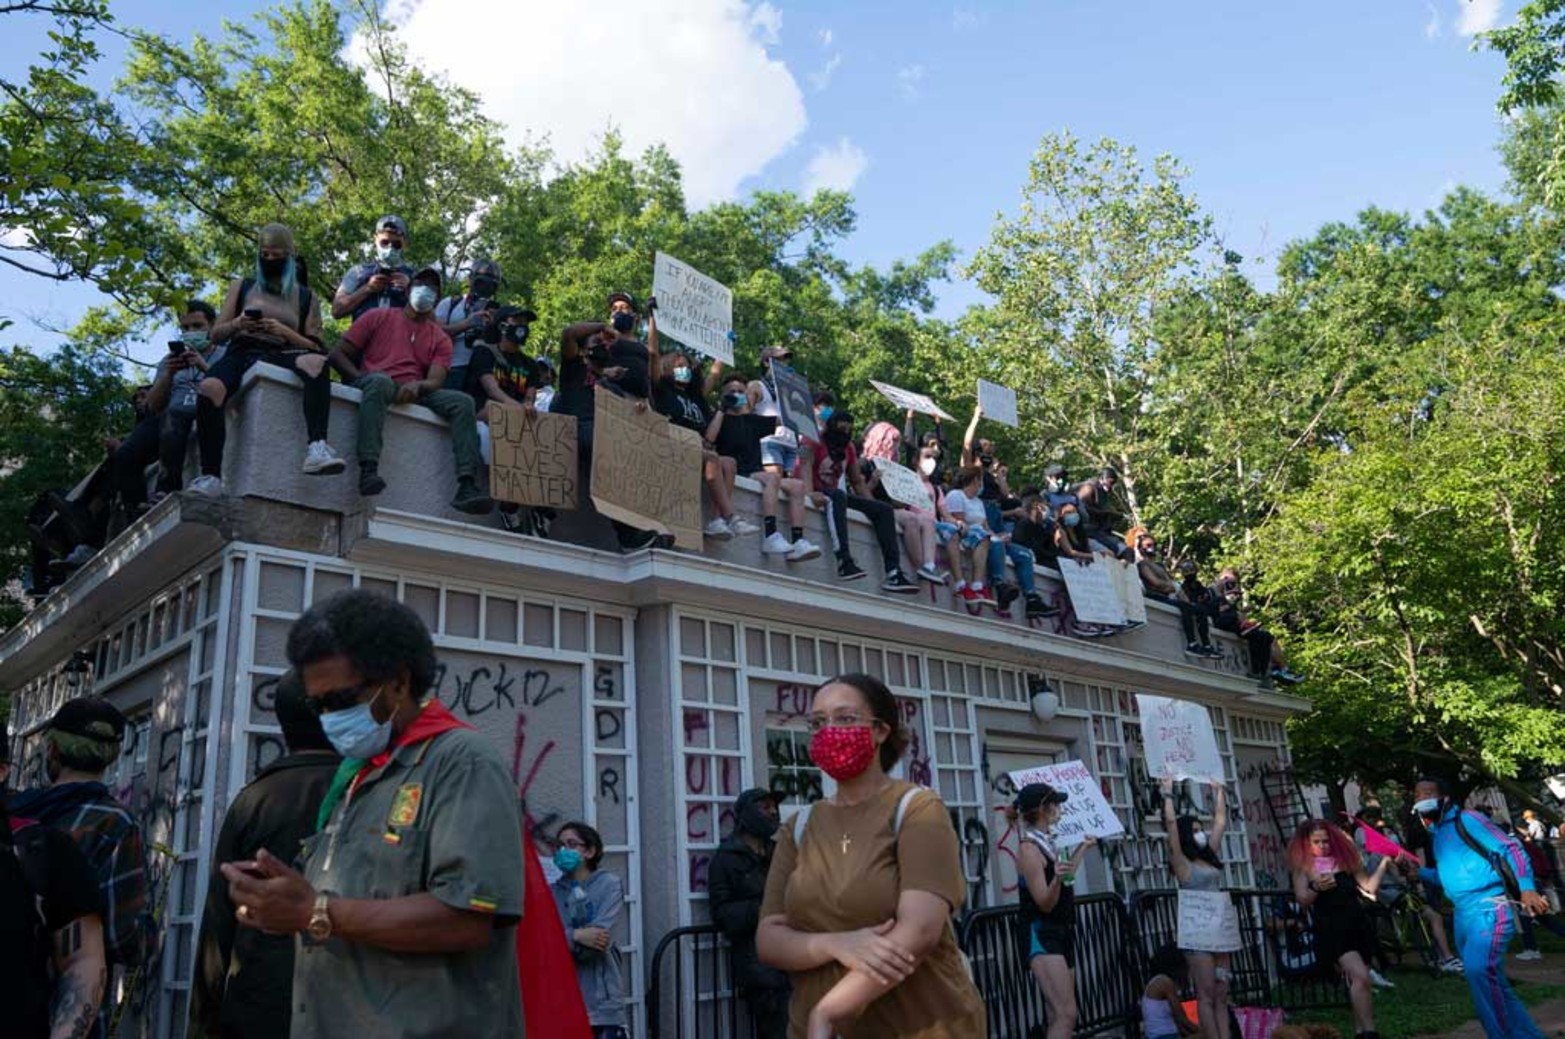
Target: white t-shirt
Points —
{"points": [[969, 510]]}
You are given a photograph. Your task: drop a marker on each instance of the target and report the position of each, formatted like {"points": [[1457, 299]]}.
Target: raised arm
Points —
{"points": [[714, 379], [1176, 853], [654, 360], [1219, 815], [969, 455], [574, 337]]}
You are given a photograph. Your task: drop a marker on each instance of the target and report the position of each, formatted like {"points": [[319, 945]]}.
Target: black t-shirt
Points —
{"points": [[1036, 537], [572, 395], [632, 355], [44, 886], [740, 439], [682, 409], [514, 372]]}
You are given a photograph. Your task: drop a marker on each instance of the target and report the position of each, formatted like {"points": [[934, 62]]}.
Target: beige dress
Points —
{"points": [[825, 885]]}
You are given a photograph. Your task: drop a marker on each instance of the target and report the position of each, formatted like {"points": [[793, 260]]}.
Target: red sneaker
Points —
{"points": [[967, 594]]}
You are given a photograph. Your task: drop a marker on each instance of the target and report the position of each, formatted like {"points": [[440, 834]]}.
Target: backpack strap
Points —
{"points": [[801, 818], [1495, 859]]}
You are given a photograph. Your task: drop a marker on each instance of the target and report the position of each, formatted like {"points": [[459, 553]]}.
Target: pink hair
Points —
{"points": [[1301, 856], [882, 441]]}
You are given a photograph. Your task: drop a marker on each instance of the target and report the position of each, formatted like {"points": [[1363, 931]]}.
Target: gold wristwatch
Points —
{"points": [[319, 928]]}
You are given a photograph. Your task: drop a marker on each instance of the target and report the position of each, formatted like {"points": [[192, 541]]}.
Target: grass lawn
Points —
{"points": [[1421, 1005]]}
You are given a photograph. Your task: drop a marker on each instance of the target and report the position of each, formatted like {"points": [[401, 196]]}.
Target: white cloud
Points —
{"points": [[820, 79], [1477, 16], [836, 167], [1432, 27], [826, 36], [15, 238], [691, 74], [908, 81], [967, 18]]}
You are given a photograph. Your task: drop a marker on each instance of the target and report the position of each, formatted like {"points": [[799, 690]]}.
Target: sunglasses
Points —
{"points": [[338, 699]]}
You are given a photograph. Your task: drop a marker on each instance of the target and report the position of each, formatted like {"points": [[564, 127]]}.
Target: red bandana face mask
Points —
{"points": [[843, 752]]}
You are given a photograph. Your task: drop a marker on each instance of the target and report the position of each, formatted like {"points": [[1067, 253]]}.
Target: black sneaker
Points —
{"points": [[1212, 652], [897, 581], [1005, 593], [1264, 681], [470, 499], [1036, 607], [848, 570], [371, 482], [1286, 677], [1195, 649]]}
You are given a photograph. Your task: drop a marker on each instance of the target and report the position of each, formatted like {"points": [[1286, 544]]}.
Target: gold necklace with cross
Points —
{"points": [[847, 840]]}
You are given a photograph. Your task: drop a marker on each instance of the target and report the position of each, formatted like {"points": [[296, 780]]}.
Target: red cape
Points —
{"points": [[551, 995]]}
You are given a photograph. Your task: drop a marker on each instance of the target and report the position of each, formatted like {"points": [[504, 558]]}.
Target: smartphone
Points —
{"points": [[253, 313], [1325, 865], [177, 347]]}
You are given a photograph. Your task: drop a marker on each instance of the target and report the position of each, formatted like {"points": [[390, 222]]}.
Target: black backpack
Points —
{"points": [[22, 924]]}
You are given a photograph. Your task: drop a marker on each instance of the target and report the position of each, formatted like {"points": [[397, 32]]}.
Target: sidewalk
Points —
{"points": [[1549, 1015]]}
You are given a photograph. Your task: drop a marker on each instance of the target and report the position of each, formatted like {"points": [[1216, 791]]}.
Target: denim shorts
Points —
{"points": [[974, 537], [944, 532], [775, 452]]}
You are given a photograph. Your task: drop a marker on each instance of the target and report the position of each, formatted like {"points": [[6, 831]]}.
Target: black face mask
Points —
{"points": [[517, 333], [733, 401], [273, 268], [623, 321], [987, 460], [756, 822], [484, 288]]}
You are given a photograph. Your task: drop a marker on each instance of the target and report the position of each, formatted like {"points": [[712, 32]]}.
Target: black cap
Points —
{"points": [[505, 314], [426, 273], [751, 796], [1035, 795], [90, 716], [627, 297]]}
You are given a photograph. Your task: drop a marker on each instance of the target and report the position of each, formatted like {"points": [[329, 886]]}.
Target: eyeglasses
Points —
{"points": [[842, 719], [338, 699], [574, 843]]}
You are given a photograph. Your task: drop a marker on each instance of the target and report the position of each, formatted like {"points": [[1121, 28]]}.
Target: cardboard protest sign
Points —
{"points": [[795, 404], [1178, 739], [646, 471], [903, 485], [998, 402], [1085, 811], [1094, 590], [1208, 922], [906, 399], [533, 459], [692, 308]]}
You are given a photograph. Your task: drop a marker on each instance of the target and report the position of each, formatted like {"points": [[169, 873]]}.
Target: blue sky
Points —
{"points": [[1287, 115]]}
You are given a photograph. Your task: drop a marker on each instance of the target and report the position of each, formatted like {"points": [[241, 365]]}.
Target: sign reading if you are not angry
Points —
{"points": [[695, 310], [1085, 813]]}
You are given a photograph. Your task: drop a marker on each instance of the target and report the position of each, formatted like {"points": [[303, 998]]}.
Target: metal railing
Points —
{"points": [[695, 998]]}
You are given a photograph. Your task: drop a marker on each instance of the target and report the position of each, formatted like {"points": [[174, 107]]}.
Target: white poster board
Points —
{"points": [[998, 402], [692, 308], [1094, 590], [908, 400], [1085, 811], [903, 485], [1131, 592], [1178, 739], [1208, 922]]}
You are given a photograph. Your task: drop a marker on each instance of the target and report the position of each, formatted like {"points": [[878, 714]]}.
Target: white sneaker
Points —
{"points": [[206, 486], [1529, 954], [1452, 966], [803, 549], [320, 460], [775, 544], [742, 527], [719, 529], [1379, 980]]}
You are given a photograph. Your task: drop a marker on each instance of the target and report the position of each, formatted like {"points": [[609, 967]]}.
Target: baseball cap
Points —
{"points": [[483, 268], [391, 223], [425, 274], [781, 353], [89, 716], [627, 297], [1035, 795], [505, 314]]}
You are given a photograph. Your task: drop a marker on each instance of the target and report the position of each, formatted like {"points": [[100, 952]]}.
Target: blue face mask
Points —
{"points": [[1071, 519], [826, 411], [1428, 806], [681, 374], [567, 860], [355, 732]]}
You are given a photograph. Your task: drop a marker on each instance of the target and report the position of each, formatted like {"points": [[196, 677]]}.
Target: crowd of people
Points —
{"points": [[409, 340]]}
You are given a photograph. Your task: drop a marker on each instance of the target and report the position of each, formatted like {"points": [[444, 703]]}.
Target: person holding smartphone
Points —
{"points": [[1328, 875]]}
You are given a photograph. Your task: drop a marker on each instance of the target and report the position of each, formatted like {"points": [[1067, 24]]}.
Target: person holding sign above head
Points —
{"points": [[678, 396], [863, 887], [1047, 900], [1193, 859], [1328, 876], [736, 432]]}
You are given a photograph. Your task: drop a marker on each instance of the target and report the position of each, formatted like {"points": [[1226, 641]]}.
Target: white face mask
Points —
{"points": [[927, 467], [422, 298], [1200, 839], [389, 253]]}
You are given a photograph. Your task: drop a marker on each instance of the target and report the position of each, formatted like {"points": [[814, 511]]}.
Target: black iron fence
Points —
{"points": [[689, 995]]}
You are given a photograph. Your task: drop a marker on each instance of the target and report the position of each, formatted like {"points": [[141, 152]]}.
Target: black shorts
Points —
{"points": [[1047, 940]]}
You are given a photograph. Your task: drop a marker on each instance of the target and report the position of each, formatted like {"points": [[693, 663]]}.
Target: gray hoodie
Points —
{"points": [[596, 902]]}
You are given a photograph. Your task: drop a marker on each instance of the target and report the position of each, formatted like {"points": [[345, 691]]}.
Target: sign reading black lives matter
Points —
{"points": [[794, 402], [534, 459], [692, 308]]}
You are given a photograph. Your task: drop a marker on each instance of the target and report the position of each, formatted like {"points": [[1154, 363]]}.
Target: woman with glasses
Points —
{"points": [[863, 886], [590, 903]]}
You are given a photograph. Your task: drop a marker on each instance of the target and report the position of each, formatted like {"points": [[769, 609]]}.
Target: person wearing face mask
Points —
{"points": [[1489, 881], [736, 885], [920, 529], [381, 283], [468, 319], [591, 901], [1268, 665], [401, 357], [678, 396], [501, 371], [1192, 856], [268, 317], [545, 382], [835, 466], [737, 433], [163, 435], [1046, 896], [863, 887], [1158, 584], [616, 358], [408, 895]]}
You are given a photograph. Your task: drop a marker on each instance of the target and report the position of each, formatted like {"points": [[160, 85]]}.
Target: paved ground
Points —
{"points": [[1550, 1015]]}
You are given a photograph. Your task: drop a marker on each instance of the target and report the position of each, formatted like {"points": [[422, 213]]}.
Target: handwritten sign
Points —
{"points": [[692, 308], [1094, 590], [1085, 812], [903, 485], [998, 402], [1208, 922], [1178, 739], [908, 400], [646, 471], [795, 406], [534, 458]]}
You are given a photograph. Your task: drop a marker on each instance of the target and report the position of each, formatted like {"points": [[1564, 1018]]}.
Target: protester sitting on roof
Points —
{"points": [[1002, 509], [678, 396], [966, 509], [779, 452], [400, 357], [736, 432], [1267, 662], [918, 525], [1096, 497], [381, 283], [467, 318], [1157, 583], [499, 371], [836, 466], [1069, 541], [266, 317]]}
